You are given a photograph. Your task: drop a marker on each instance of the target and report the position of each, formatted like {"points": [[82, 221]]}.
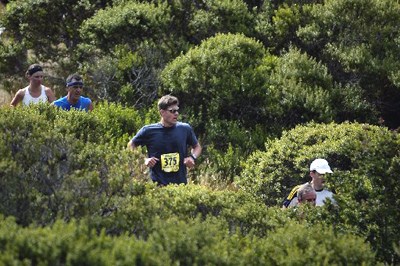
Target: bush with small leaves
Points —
{"points": [[365, 163], [68, 164], [173, 241]]}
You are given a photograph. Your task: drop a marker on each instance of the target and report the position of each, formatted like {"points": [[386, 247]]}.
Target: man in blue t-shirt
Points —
{"points": [[167, 144], [74, 99]]}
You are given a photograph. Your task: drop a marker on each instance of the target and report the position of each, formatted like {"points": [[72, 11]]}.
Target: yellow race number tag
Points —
{"points": [[170, 162]]}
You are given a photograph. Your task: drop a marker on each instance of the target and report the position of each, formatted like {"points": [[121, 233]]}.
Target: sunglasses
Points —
{"points": [[173, 111]]}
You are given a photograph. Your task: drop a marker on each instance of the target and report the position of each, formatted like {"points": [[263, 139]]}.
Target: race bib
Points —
{"points": [[170, 162]]}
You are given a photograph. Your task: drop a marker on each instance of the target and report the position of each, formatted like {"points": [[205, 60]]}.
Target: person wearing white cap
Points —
{"points": [[318, 168]]}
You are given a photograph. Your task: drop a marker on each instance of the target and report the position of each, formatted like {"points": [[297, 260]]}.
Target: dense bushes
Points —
{"points": [[218, 75], [365, 161], [243, 71], [173, 241], [237, 87], [123, 46], [57, 165], [355, 39], [127, 23], [63, 163]]}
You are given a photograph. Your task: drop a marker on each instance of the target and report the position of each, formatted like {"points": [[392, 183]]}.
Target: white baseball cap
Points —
{"points": [[321, 166]]}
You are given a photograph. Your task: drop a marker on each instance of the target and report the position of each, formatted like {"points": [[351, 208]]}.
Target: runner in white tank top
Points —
{"points": [[28, 99], [35, 92]]}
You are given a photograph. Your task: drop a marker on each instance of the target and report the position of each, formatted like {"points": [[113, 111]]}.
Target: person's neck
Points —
{"points": [[316, 188], [35, 88], [71, 100], [165, 124]]}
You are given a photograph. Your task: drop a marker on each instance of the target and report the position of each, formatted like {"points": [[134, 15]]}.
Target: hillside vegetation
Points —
{"points": [[268, 86], [69, 173]]}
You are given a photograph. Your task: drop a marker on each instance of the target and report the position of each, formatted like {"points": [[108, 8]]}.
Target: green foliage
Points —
{"points": [[260, 95], [173, 242], [136, 214], [303, 90], [118, 122], [357, 40], [11, 54], [125, 47], [266, 66], [72, 244], [288, 246], [216, 74], [277, 24], [50, 171], [263, 22], [225, 16], [128, 77], [56, 163], [300, 90], [354, 27], [222, 80], [224, 164], [126, 23], [365, 164], [42, 25]]}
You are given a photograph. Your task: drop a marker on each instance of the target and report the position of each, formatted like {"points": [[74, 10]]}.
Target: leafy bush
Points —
{"points": [[74, 243], [221, 85], [126, 23], [365, 164], [118, 122], [238, 93], [27, 24], [137, 211], [173, 241], [212, 17], [126, 46], [50, 172], [302, 90], [11, 54], [355, 39], [69, 164]]}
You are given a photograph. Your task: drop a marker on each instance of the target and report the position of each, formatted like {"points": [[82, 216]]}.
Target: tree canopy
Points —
{"points": [[124, 46], [267, 87]]}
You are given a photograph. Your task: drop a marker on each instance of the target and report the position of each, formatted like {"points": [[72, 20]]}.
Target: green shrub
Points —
{"points": [[213, 17], [119, 123], [357, 41], [240, 210], [236, 92], [173, 241], [296, 244], [50, 171], [218, 80], [68, 164], [11, 54], [301, 90], [365, 162], [126, 23], [73, 243]]}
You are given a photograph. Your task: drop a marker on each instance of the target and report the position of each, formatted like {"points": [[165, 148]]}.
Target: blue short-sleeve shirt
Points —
{"points": [[82, 104], [162, 142]]}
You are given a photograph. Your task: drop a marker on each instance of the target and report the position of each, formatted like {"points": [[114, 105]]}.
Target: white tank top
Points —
{"points": [[28, 99]]}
